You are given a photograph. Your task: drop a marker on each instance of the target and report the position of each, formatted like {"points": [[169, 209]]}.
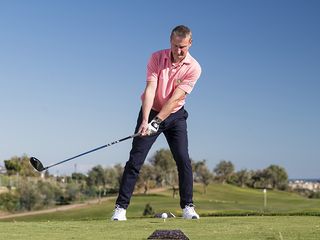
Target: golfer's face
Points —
{"points": [[180, 47]]}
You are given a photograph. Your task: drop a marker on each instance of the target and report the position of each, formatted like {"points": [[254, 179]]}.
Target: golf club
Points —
{"points": [[36, 163]]}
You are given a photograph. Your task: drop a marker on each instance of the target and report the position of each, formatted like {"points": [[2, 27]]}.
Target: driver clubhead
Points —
{"points": [[36, 164]]}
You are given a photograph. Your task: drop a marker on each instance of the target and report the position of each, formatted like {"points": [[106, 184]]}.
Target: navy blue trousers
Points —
{"points": [[175, 130]]}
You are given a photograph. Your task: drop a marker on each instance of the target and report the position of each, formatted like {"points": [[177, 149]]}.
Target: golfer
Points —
{"points": [[171, 76]]}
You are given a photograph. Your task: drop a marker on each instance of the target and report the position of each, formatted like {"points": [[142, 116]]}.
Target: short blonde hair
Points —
{"points": [[181, 31]]}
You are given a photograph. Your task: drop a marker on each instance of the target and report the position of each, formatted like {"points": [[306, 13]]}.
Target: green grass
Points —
{"points": [[222, 228], [220, 200], [92, 221]]}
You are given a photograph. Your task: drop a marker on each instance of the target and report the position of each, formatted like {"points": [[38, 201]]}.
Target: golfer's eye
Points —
{"points": [[181, 47]]}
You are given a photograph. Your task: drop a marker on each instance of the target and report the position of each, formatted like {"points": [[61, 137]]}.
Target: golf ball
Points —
{"points": [[164, 215]]}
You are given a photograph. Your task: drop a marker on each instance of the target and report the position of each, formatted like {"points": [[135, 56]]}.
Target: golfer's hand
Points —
{"points": [[153, 126], [143, 128]]}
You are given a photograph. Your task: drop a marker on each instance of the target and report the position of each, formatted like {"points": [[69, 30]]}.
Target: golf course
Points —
{"points": [[227, 212]]}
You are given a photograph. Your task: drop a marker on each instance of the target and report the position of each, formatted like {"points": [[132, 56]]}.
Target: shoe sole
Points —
{"points": [[193, 217]]}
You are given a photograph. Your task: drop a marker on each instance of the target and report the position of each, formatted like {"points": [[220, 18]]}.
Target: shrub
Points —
{"points": [[148, 210], [9, 201]]}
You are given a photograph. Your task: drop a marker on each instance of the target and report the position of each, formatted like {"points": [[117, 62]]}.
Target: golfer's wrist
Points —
{"points": [[157, 120]]}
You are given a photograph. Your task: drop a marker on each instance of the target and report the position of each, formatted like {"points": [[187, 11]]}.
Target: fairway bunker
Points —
{"points": [[168, 234]]}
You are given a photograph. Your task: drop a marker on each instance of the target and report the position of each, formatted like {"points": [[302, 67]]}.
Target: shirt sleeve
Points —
{"points": [[152, 69], [190, 79]]}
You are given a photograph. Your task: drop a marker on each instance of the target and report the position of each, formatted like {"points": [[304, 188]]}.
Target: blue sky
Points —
{"points": [[71, 75]]}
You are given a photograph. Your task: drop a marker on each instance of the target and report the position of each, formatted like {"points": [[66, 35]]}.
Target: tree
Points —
{"points": [[241, 178], [202, 174], [119, 172], [274, 177], [12, 166], [96, 176], [112, 178], [97, 179], [223, 170], [165, 166], [78, 177], [72, 192], [49, 192], [21, 166], [171, 179], [278, 177], [259, 179], [30, 197], [147, 173]]}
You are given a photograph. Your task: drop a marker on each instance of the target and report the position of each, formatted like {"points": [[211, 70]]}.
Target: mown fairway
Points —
{"points": [[222, 228], [92, 221]]}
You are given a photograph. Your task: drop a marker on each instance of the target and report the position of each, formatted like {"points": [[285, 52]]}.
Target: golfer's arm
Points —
{"points": [[149, 94], [171, 104]]}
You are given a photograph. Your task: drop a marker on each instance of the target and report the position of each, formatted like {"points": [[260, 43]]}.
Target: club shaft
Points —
{"points": [[93, 150]]}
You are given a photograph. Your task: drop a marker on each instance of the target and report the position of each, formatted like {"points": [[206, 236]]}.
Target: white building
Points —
{"points": [[3, 170], [305, 184]]}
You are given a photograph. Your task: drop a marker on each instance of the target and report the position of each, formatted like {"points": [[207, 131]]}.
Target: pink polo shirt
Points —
{"points": [[169, 76]]}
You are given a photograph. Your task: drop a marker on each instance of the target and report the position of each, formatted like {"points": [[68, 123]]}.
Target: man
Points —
{"points": [[171, 75]]}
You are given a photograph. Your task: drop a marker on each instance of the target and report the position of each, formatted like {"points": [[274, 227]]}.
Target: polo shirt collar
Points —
{"points": [[186, 60]]}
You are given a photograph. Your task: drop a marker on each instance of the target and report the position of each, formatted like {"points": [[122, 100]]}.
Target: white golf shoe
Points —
{"points": [[119, 214], [189, 212]]}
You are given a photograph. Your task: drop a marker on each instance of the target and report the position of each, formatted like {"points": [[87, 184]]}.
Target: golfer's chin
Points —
{"points": [[179, 58]]}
